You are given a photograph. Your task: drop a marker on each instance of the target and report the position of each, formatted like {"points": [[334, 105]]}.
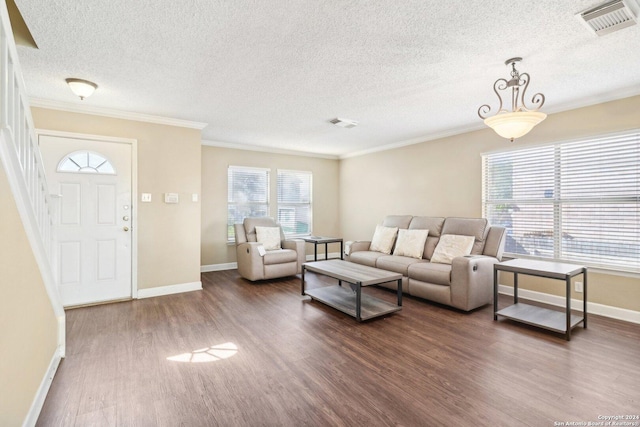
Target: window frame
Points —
{"points": [[294, 205], [561, 205], [230, 203]]}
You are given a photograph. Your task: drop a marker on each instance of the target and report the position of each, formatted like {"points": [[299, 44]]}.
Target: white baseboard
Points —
{"points": [[169, 290], [218, 267], [38, 400], [62, 334], [592, 307]]}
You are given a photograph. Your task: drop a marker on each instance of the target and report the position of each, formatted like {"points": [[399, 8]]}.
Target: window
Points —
{"points": [[294, 202], [247, 195], [576, 201], [85, 162]]}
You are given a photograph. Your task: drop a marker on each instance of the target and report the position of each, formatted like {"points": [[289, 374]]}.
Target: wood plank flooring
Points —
{"points": [[301, 363]]}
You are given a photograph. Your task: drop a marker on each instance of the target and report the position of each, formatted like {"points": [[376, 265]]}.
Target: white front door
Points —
{"points": [[91, 181]]}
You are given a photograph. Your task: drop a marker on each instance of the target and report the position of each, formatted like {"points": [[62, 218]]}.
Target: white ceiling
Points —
{"points": [[272, 74]]}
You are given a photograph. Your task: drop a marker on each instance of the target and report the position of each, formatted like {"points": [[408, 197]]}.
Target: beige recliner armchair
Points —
{"points": [[274, 263]]}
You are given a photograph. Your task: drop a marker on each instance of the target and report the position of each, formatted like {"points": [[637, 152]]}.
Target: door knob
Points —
{"points": [[125, 228]]}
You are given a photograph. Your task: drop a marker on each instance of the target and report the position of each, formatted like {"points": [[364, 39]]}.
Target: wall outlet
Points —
{"points": [[579, 287]]}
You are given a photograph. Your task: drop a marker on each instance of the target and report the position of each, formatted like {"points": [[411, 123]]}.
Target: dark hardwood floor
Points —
{"points": [[301, 363]]}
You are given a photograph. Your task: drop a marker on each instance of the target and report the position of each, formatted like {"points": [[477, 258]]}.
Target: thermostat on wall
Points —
{"points": [[171, 198]]}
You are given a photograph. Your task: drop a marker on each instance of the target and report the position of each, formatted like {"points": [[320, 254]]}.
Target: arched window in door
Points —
{"points": [[86, 162]]}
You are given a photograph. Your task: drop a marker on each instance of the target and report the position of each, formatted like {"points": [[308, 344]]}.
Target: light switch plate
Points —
{"points": [[194, 197], [146, 197], [171, 198]]}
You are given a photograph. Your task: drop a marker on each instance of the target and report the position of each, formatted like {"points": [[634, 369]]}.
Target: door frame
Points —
{"points": [[134, 188]]}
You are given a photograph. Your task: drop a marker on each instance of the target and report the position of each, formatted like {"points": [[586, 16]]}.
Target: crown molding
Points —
{"points": [[262, 149], [116, 114], [418, 140]]}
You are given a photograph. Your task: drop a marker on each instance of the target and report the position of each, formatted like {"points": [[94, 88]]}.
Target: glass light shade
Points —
{"points": [[82, 88], [514, 125]]}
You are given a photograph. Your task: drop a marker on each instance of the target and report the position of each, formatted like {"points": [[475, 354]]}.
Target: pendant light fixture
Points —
{"points": [[518, 121]]}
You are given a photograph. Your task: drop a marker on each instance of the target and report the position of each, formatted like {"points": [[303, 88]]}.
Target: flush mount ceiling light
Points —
{"points": [[518, 121], [82, 88]]}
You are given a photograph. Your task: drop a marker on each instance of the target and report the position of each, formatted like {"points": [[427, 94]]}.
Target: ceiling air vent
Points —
{"points": [[344, 123], [609, 17]]}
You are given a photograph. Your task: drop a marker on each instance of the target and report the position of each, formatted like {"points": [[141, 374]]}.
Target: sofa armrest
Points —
{"points": [[298, 246], [472, 281], [356, 246], [250, 262]]}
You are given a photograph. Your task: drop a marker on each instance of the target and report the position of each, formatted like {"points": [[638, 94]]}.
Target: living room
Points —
{"points": [[440, 175]]}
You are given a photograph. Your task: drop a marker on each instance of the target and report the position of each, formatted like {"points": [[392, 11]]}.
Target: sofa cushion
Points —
{"points": [[396, 263], [269, 237], [383, 239], [439, 274], [365, 257], [411, 243], [280, 256], [476, 227], [452, 246], [399, 221]]}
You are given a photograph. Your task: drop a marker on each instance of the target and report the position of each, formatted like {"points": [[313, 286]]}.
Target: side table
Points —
{"points": [[316, 240], [538, 316]]}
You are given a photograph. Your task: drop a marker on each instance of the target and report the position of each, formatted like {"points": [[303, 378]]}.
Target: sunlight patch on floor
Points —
{"points": [[208, 354]]}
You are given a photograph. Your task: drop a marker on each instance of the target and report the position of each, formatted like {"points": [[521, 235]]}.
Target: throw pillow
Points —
{"points": [[451, 246], [269, 237], [411, 243], [383, 239]]}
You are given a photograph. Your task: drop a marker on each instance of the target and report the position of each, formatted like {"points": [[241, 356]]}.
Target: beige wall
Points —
{"points": [[168, 162], [443, 178], [29, 331], [216, 160]]}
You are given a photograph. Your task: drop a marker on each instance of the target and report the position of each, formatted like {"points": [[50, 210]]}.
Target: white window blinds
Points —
{"points": [[576, 201], [247, 195], [294, 201]]}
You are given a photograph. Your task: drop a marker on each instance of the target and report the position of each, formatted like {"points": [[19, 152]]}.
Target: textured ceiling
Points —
{"points": [[273, 73]]}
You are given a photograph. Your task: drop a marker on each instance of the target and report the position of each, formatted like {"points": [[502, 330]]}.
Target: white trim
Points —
{"points": [[41, 394], [592, 307], [169, 290], [62, 327], [418, 140], [218, 267], [134, 187], [113, 113], [248, 147]]}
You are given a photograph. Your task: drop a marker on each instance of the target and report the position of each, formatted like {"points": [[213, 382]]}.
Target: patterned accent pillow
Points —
{"points": [[411, 243], [383, 239], [269, 237], [451, 246]]}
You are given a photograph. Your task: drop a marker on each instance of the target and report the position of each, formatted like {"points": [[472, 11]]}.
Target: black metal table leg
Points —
{"points": [[358, 301], [495, 293], [302, 282], [584, 298], [568, 332], [515, 288], [326, 251], [400, 292], [341, 250]]}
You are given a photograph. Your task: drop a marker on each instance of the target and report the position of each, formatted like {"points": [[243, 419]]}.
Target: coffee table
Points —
{"points": [[350, 299]]}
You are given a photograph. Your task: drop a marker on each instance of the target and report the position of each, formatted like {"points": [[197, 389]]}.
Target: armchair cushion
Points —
{"points": [[269, 237]]}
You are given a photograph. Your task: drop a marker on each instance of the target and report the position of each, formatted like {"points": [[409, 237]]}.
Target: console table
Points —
{"points": [[538, 316], [316, 240]]}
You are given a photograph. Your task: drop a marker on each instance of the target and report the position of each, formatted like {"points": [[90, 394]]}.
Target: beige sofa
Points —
{"points": [[465, 284], [252, 265]]}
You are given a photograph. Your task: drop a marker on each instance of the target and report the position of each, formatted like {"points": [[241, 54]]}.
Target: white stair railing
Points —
{"points": [[20, 156]]}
